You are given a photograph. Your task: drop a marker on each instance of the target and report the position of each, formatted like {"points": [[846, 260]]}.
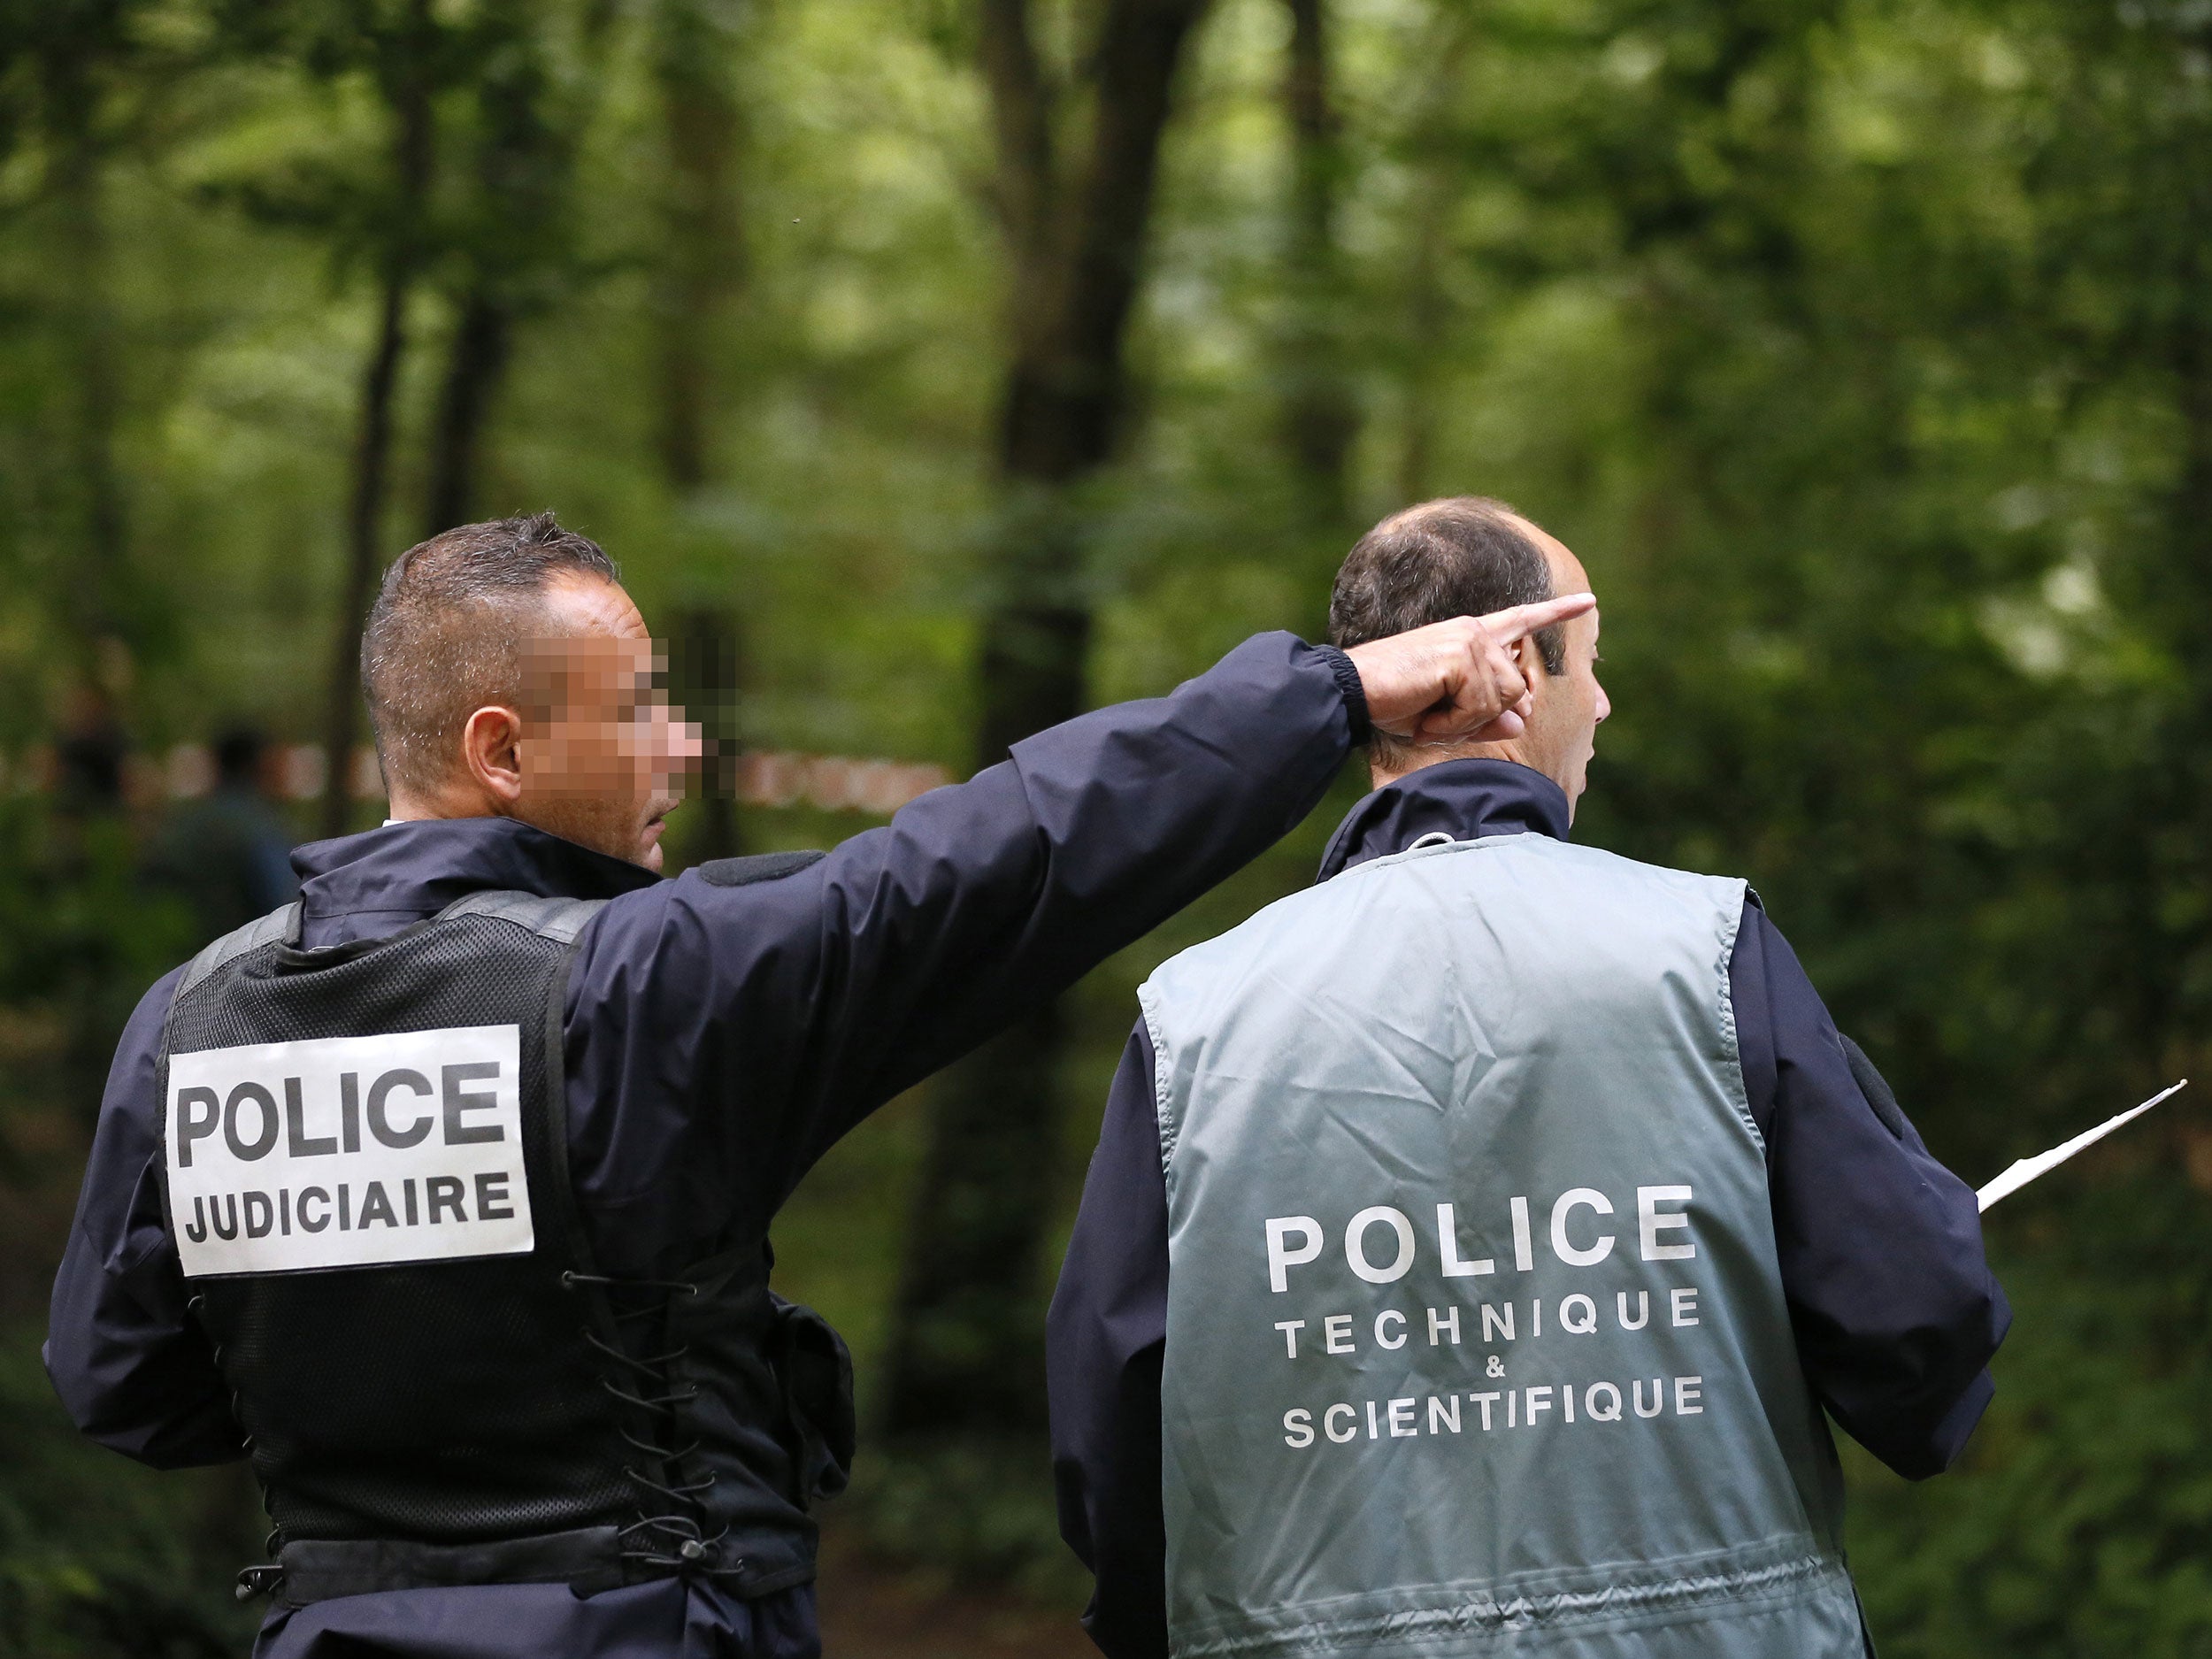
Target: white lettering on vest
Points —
{"points": [[1402, 1418], [1651, 1221], [1447, 1247], [1523, 1249], [1587, 1198], [1281, 1257], [1356, 1244]]}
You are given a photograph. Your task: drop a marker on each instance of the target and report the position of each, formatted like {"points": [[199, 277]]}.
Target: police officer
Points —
{"points": [[445, 1191], [1474, 1238]]}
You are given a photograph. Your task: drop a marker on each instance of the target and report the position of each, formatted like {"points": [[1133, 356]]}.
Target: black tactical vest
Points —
{"points": [[490, 1418]]}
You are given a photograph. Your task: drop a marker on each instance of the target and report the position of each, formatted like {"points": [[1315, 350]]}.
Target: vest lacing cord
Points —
{"points": [[263, 1576], [675, 1541]]}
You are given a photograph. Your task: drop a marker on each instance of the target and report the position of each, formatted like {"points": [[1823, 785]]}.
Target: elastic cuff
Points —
{"points": [[1354, 693]]}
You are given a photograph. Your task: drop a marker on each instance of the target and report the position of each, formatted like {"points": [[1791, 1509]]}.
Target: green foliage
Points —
{"points": [[1863, 349], [971, 1513], [100, 1559], [2080, 1520]]}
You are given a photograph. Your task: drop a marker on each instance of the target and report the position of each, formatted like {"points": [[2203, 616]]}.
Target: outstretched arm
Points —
{"points": [[788, 1010]]}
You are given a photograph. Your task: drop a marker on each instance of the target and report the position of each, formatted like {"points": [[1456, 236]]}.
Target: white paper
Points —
{"points": [[347, 1151], [2027, 1169]]}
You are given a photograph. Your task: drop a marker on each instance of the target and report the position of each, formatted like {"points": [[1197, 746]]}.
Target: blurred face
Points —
{"points": [[1568, 706], [599, 756]]}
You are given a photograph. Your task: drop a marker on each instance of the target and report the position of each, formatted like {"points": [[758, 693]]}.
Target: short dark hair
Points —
{"points": [[1463, 556], [444, 638]]}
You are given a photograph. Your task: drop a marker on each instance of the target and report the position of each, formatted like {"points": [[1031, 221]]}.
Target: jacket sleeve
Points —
{"points": [[133, 1368], [750, 1026], [1895, 1310], [1104, 1342]]}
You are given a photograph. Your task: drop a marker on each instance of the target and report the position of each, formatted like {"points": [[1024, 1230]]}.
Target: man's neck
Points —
{"points": [[1472, 796], [407, 807], [1519, 752]]}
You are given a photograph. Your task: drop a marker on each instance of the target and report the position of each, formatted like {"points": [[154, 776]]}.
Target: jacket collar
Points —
{"points": [[1463, 799], [365, 886]]}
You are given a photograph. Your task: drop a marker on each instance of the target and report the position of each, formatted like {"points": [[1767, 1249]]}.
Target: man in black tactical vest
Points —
{"points": [[444, 1193]]}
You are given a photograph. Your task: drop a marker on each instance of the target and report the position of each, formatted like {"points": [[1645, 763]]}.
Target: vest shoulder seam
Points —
{"points": [[1738, 1093], [554, 917], [261, 930], [1164, 1124]]}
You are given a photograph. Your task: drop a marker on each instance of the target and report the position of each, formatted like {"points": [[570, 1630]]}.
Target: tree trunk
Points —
{"points": [[701, 281], [94, 600], [409, 90], [363, 529], [1428, 310], [964, 1348], [1320, 418], [474, 362], [703, 271], [520, 247]]}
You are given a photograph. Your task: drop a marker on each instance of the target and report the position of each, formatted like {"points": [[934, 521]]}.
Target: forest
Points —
{"points": [[937, 369]]}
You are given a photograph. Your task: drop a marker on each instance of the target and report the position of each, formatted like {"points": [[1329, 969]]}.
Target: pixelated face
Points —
{"points": [[603, 756]]}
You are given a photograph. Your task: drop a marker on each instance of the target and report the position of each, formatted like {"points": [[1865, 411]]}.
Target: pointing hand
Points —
{"points": [[1458, 680]]}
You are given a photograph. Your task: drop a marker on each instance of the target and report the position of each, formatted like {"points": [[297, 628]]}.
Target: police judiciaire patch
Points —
{"points": [[348, 1151]]}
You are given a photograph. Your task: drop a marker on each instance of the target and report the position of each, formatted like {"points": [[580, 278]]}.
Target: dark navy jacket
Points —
{"points": [[719, 1039], [1895, 1312]]}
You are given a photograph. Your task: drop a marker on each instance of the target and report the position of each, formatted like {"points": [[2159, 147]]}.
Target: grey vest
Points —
{"points": [[1476, 1340]]}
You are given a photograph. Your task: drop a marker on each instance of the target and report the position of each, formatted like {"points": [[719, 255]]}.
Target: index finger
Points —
{"points": [[1522, 620]]}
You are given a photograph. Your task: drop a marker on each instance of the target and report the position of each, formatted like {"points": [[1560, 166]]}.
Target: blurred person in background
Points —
{"points": [[89, 754], [228, 854], [444, 1192], [1474, 1238]]}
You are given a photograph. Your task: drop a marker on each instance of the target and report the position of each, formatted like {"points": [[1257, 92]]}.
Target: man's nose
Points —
{"points": [[1605, 705]]}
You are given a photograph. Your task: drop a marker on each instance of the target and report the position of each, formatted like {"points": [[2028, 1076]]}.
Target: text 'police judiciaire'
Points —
{"points": [[344, 1151]]}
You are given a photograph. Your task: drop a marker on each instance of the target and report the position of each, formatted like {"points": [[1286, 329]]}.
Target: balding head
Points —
{"points": [[1469, 555], [1464, 556], [446, 635]]}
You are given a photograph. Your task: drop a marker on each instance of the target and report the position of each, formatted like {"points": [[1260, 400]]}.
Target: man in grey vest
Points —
{"points": [[1476, 1238]]}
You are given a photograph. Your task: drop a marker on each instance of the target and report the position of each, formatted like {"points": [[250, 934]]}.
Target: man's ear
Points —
{"points": [[489, 745]]}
